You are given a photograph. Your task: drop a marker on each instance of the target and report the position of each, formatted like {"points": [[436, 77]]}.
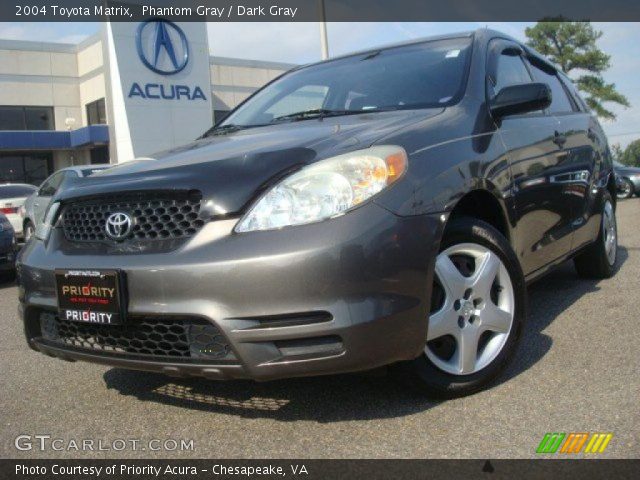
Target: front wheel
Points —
{"points": [[625, 189], [477, 312], [29, 230], [598, 260]]}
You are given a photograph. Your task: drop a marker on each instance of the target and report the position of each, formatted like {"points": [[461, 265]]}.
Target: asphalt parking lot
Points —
{"points": [[576, 371]]}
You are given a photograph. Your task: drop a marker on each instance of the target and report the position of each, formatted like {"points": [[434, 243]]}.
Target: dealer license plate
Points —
{"points": [[90, 296]]}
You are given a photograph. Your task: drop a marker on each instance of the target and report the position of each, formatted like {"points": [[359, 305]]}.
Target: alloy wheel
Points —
{"points": [[28, 233], [625, 190], [473, 311]]}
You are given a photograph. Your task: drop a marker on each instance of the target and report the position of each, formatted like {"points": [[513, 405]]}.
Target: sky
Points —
{"points": [[300, 43]]}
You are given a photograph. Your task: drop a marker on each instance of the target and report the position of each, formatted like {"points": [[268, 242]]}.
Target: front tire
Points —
{"points": [[28, 230], [626, 189], [598, 260], [477, 314]]}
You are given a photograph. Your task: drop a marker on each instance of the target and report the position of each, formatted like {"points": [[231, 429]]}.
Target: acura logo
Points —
{"points": [[118, 225], [162, 46]]}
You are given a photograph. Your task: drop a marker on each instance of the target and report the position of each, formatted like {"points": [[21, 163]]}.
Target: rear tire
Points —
{"points": [[482, 305], [626, 190], [598, 260]]}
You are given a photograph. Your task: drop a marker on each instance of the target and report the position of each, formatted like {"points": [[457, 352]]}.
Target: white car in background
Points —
{"points": [[34, 208], [12, 198]]}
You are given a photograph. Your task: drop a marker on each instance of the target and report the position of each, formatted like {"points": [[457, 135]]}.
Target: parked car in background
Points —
{"points": [[7, 248], [36, 205], [12, 198], [627, 180], [385, 207]]}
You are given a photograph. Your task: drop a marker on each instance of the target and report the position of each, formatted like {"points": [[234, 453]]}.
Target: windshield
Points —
{"points": [[429, 74]]}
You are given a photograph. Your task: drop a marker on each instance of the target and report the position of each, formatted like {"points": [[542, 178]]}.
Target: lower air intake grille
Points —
{"points": [[160, 338]]}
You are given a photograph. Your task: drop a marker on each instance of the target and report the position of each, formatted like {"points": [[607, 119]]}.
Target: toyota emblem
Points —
{"points": [[118, 225]]}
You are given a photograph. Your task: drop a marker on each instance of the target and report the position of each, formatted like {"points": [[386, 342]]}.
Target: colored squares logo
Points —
{"points": [[574, 442]]}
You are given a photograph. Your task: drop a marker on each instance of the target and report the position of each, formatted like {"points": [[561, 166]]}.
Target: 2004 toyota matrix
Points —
{"points": [[386, 207]]}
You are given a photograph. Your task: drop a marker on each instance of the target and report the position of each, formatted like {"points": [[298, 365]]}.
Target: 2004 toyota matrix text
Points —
{"points": [[382, 208]]}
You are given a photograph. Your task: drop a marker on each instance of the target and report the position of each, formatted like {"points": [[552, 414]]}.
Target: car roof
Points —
{"points": [[9, 184], [413, 41], [481, 33], [82, 168]]}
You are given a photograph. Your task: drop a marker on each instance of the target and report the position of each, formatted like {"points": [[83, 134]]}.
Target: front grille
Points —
{"points": [[154, 218], [164, 338]]}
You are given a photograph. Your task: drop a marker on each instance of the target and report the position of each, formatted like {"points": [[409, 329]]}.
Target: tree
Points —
{"points": [[616, 152], [572, 46], [631, 155]]}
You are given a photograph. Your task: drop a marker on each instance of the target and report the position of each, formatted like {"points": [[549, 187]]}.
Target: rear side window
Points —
{"points": [[510, 70], [560, 102], [14, 191]]}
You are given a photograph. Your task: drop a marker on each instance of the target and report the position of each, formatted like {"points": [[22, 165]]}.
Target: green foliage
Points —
{"points": [[616, 152], [572, 46], [631, 155]]}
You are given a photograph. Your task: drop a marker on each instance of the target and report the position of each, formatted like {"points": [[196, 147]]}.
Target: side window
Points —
{"points": [[560, 102], [582, 105], [510, 70], [50, 186]]}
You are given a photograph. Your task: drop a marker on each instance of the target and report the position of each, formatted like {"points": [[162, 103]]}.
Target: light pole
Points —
{"points": [[324, 41]]}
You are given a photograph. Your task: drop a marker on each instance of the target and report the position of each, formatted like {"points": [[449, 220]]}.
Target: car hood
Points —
{"points": [[627, 170], [232, 169]]}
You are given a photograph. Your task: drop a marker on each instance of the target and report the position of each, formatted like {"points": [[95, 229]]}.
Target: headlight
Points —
{"points": [[44, 229], [326, 189]]}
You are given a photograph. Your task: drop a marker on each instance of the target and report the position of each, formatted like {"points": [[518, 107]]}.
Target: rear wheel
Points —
{"points": [[625, 189], [477, 312], [598, 260]]}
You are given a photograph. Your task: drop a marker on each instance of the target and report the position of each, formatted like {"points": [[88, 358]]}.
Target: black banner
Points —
{"points": [[320, 469], [314, 10]]}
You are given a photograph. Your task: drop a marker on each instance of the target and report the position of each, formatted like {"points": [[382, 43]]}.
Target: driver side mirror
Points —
{"points": [[523, 98]]}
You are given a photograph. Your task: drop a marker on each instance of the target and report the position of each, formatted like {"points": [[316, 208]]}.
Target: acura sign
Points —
{"points": [[164, 49], [162, 46]]}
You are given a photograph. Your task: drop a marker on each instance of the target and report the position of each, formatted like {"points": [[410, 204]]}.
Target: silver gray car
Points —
{"points": [[377, 219], [36, 204]]}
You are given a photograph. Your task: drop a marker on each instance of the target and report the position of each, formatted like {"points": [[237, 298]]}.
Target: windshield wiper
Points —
{"points": [[315, 113], [224, 129]]}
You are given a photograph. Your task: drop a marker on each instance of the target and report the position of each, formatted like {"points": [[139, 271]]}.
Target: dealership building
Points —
{"points": [[129, 91]]}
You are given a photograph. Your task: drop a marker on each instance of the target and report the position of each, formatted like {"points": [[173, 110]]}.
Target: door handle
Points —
{"points": [[36, 204], [559, 139]]}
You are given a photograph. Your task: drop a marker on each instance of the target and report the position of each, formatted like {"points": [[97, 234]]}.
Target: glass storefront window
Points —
{"points": [[96, 113], [26, 118], [38, 118], [11, 118], [32, 167]]}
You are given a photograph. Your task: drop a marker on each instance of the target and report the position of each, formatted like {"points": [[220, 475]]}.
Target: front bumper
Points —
{"points": [[347, 294]]}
